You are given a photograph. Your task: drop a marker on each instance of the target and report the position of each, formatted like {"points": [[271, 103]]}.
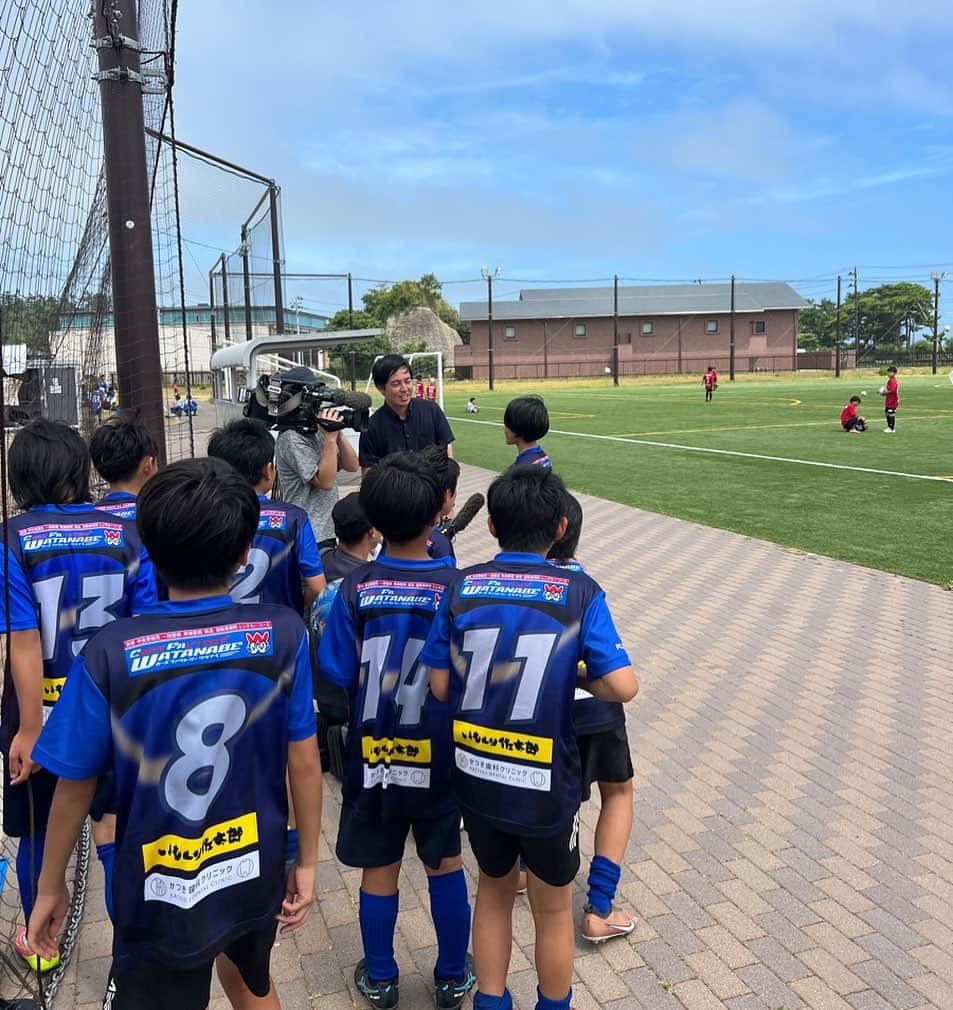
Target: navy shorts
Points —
{"points": [[552, 858], [604, 757], [369, 842], [156, 986]]}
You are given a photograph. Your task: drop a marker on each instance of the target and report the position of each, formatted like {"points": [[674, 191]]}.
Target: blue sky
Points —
{"points": [[576, 140]]}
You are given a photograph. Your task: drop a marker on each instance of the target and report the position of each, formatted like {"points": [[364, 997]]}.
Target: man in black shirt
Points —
{"points": [[403, 422]]}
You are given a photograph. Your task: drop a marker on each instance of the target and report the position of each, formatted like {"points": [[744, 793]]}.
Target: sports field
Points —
{"points": [[766, 458]]}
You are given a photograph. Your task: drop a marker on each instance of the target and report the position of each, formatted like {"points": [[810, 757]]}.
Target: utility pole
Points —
{"points": [[350, 304], [615, 330], [246, 280], [856, 314], [731, 334], [121, 83], [226, 308], [937, 277], [837, 334], [489, 318]]}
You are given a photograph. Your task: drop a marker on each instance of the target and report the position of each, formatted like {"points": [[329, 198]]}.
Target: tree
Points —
{"points": [[29, 320], [817, 325]]}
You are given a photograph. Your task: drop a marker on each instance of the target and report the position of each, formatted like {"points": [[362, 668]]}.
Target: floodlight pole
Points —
{"points": [[731, 334], [350, 304], [136, 320], [615, 330], [489, 275], [837, 334]]}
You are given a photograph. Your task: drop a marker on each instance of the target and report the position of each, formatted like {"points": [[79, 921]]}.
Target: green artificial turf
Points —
{"points": [[893, 523]]}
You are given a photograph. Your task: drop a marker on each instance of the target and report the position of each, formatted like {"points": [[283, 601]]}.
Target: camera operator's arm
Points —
{"points": [[328, 466], [347, 457]]}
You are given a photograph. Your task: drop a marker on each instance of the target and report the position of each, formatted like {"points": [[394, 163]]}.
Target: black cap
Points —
{"points": [[300, 375], [350, 520]]}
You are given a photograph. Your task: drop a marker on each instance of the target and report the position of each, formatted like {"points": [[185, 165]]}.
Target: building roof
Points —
{"points": [[643, 300]]}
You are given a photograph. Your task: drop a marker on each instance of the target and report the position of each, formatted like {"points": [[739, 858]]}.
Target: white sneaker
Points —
{"points": [[888, 431]]}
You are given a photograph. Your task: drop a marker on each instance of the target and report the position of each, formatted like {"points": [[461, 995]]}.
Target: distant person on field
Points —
{"points": [[432, 389], [606, 759], [126, 456], [419, 388], [850, 420], [710, 382], [525, 422], [472, 407], [890, 391]]}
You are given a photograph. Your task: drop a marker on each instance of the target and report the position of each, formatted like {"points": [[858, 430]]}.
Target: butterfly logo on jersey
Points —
{"points": [[275, 522], [258, 642], [554, 593], [113, 537]]}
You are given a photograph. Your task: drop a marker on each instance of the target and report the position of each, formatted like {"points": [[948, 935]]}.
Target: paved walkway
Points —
{"points": [[793, 841]]}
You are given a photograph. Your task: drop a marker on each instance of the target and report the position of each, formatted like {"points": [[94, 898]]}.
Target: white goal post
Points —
{"points": [[424, 365]]}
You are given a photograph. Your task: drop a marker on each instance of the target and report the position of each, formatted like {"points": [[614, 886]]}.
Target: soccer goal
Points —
{"points": [[425, 367]]}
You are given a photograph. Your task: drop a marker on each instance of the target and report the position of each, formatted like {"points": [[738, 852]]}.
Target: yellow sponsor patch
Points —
{"points": [[395, 749], [498, 741], [191, 853], [52, 687]]}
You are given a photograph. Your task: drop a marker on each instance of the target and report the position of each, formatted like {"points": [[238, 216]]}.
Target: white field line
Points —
{"points": [[726, 452]]}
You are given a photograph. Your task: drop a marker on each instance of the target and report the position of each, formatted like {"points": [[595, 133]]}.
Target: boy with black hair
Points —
{"points": [[890, 391], [69, 569], [525, 422], [355, 535], [126, 456], [284, 553], [605, 758], [199, 705], [505, 649], [850, 420], [397, 759], [448, 474]]}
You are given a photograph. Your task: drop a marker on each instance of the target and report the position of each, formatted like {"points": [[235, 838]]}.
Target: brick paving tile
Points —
{"points": [[793, 839]]}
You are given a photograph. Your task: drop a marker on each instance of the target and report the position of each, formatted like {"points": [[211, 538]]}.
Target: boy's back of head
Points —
{"points": [[402, 496], [565, 549], [246, 444], [527, 417], [196, 519], [49, 465], [526, 504], [446, 469], [119, 446], [351, 524]]}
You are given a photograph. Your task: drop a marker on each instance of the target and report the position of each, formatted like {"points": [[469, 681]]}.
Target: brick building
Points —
{"points": [[554, 332]]}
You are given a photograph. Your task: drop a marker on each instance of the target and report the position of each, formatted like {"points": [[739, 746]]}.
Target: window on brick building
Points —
{"points": [[758, 326], [648, 328], [580, 329], [711, 325], [509, 332]]}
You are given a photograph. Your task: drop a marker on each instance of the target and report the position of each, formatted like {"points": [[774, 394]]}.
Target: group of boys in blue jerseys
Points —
{"points": [[181, 718]]}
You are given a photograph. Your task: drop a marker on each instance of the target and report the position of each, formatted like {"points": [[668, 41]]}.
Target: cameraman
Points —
{"points": [[308, 462]]}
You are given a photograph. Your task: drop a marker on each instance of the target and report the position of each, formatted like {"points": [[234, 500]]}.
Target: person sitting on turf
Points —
{"points": [[525, 422], [850, 420]]}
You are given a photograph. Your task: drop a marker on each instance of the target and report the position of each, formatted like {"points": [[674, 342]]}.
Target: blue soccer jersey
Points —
{"points": [[121, 504], [283, 552], [534, 457], [439, 545], [512, 633], [192, 705], [397, 762], [71, 569], [591, 715]]}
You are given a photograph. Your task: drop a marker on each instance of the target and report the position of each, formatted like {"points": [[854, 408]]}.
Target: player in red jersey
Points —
{"points": [[432, 388], [850, 420], [710, 382], [419, 389], [891, 394]]}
